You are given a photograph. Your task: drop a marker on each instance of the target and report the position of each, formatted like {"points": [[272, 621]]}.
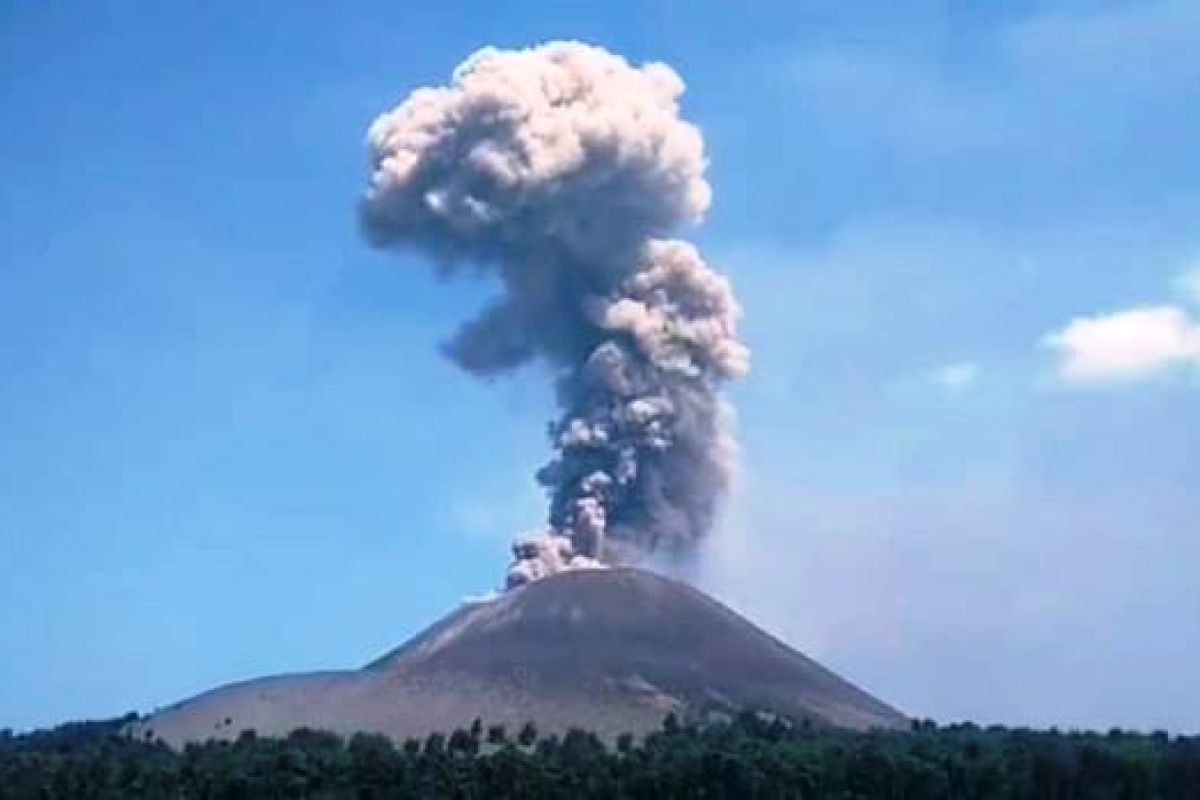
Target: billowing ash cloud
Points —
{"points": [[563, 168]]}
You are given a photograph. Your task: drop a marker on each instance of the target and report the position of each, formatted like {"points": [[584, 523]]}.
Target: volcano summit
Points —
{"points": [[608, 650]]}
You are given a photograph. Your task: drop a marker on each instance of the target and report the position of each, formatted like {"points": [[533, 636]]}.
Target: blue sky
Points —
{"points": [[962, 236]]}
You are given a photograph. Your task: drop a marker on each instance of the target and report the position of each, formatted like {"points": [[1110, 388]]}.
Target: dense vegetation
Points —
{"points": [[752, 756]]}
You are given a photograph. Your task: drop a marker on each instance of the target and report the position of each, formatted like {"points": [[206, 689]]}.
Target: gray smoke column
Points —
{"points": [[563, 169]]}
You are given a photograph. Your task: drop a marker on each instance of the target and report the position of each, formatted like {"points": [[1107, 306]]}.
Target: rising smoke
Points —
{"points": [[562, 168]]}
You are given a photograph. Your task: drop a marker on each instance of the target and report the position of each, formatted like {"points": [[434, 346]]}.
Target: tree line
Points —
{"points": [[750, 756]]}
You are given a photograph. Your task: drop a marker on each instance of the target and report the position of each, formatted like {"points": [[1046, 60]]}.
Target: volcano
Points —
{"points": [[606, 650]]}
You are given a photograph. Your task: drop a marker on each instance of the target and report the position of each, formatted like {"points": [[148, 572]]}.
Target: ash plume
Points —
{"points": [[563, 169]]}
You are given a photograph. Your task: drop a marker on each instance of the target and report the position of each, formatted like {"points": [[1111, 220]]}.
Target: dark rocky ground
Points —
{"points": [[610, 651]]}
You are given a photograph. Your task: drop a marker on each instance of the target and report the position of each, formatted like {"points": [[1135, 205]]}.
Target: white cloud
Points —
{"points": [[956, 377], [1126, 345]]}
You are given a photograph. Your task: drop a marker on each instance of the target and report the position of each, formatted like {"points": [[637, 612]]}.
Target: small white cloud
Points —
{"points": [[956, 377], [1127, 345]]}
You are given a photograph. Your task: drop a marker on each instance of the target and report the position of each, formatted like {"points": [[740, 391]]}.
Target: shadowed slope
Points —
{"points": [[607, 650]]}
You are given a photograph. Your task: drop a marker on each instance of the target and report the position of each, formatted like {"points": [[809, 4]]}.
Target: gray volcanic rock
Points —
{"points": [[606, 650]]}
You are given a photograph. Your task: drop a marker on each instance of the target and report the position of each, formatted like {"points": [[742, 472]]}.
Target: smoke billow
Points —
{"points": [[562, 169]]}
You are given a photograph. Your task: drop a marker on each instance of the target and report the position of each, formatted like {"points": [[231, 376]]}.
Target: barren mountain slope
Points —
{"points": [[606, 650]]}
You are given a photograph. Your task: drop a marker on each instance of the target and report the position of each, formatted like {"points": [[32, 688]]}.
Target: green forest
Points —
{"points": [[750, 756]]}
